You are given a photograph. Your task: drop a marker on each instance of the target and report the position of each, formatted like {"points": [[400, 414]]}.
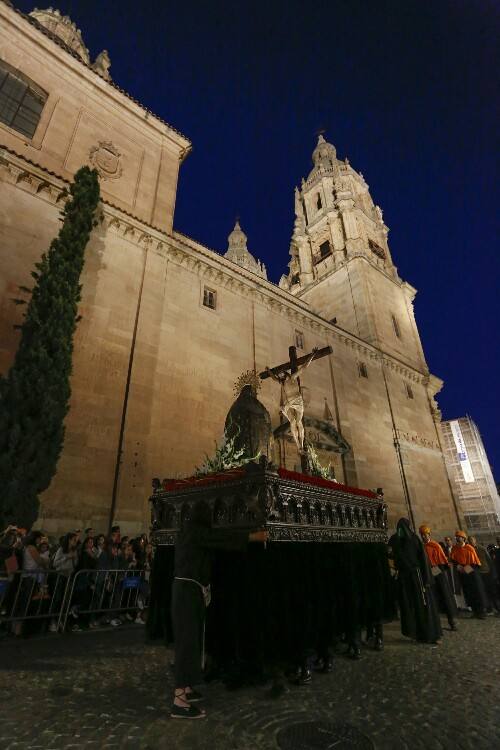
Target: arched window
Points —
{"points": [[325, 250], [395, 326], [210, 298], [409, 390], [319, 205], [21, 100], [363, 372]]}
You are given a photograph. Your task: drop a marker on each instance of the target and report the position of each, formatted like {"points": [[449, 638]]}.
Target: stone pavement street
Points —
{"points": [[111, 690]]}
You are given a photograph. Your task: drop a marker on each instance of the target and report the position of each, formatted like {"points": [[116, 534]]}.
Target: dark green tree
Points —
{"points": [[35, 393]]}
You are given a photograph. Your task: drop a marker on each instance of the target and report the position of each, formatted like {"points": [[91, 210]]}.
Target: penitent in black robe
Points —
{"points": [[417, 605], [193, 562]]}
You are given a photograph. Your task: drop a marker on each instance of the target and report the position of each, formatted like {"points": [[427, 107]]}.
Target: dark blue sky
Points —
{"points": [[404, 88]]}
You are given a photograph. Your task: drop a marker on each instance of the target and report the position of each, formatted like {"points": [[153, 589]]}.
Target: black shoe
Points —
{"points": [[324, 666], [354, 652], [453, 626], [327, 666], [303, 676], [318, 664], [187, 712]]}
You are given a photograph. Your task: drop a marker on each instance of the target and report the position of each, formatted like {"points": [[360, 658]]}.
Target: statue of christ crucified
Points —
{"points": [[292, 402]]}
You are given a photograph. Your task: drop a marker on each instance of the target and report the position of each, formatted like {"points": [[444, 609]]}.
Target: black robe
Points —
{"points": [[193, 564], [417, 605], [444, 595]]}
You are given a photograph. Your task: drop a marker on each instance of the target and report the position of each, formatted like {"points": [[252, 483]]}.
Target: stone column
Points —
{"points": [[305, 258]]}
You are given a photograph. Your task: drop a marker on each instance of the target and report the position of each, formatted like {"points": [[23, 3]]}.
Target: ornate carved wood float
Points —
{"points": [[292, 507]]}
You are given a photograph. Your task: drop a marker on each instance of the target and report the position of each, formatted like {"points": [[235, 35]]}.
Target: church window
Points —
{"points": [[409, 391], [319, 205], [299, 339], [21, 100], [295, 279], [376, 249], [210, 298], [363, 372], [395, 325], [324, 251]]}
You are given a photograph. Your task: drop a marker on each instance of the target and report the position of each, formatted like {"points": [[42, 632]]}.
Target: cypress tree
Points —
{"points": [[35, 393]]}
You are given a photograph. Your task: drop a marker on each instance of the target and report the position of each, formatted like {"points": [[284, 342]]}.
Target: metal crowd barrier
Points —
{"points": [[33, 595], [53, 596], [94, 592]]}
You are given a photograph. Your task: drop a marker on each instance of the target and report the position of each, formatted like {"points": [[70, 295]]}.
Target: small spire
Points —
{"points": [[238, 252]]}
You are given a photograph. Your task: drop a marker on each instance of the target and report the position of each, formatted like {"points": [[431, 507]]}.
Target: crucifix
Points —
{"points": [[292, 401]]}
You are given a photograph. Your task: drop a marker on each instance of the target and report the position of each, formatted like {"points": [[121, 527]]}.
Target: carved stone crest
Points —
{"points": [[323, 436], [106, 159]]}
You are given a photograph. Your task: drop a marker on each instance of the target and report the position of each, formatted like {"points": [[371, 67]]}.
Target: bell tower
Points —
{"points": [[340, 259]]}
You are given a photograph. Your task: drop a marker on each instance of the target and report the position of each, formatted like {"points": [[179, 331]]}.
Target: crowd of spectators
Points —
{"points": [[34, 572]]}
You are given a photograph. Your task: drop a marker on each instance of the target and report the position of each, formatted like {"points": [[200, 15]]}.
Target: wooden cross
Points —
{"points": [[294, 361]]}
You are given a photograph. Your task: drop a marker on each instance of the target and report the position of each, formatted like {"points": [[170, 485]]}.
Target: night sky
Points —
{"points": [[405, 89]]}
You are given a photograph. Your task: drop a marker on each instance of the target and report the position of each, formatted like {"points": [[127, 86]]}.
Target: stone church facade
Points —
{"points": [[168, 325]]}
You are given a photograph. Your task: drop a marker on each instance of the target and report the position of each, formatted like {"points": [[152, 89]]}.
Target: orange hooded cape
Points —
{"points": [[435, 553], [465, 555]]}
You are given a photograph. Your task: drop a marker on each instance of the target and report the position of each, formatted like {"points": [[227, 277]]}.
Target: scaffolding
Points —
{"points": [[471, 478]]}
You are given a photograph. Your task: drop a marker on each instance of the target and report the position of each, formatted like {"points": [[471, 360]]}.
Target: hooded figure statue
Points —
{"points": [[249, 422]]}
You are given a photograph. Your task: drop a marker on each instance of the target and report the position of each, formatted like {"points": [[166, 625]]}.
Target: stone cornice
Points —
{"points": [[204, 262], [31, 177]]}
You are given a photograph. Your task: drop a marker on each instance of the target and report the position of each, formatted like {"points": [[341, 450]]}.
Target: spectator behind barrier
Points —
{"points": [[66, 557], [90, 559]]}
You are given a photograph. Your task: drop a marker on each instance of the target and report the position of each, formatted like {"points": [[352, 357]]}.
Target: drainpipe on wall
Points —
{"points": [[119, 449], [399, 455]]}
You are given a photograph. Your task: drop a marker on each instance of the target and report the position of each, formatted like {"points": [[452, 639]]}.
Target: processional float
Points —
{"points": [[324, 572]]}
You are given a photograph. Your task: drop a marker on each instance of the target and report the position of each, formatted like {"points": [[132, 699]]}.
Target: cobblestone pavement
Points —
{"points": [[111, 690]]}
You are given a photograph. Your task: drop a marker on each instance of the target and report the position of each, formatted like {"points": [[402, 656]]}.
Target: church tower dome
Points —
{"points": [[64, 28], [238, 252]]}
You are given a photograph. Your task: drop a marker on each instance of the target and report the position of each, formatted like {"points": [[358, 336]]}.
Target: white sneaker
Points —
{"points": [[139, 620], [53, 627], [115, 623]]}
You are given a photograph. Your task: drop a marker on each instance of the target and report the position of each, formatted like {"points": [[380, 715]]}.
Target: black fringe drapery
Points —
{"points": [[275, 605]]}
